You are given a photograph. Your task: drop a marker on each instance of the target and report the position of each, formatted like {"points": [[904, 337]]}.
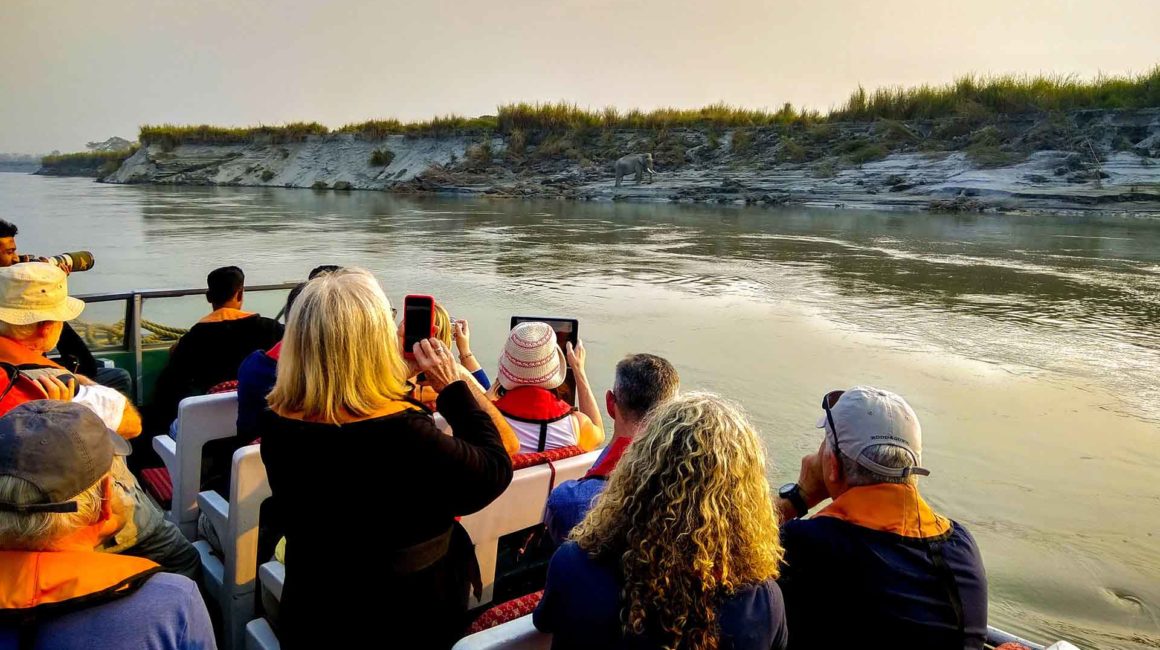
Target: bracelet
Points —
{"points": [[464, 356]]}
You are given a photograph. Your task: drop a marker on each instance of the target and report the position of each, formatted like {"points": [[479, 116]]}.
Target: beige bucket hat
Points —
{"points": [[531, 357], [33, 292]]}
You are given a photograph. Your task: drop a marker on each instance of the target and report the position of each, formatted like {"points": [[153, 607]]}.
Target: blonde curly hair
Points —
{"points": [[689, 516]]}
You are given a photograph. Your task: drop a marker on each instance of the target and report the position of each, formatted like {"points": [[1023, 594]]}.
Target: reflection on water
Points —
{"points": [[1072, 302]]}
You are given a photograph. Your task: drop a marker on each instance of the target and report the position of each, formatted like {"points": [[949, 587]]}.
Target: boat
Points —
{"points": [[246, 588]]}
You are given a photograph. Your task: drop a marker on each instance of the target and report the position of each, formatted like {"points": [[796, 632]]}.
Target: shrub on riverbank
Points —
{"points": [[84, 163], [381, 157]]}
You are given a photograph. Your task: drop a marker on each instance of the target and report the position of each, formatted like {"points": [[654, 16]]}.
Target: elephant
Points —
{"points": [[637, 164]]}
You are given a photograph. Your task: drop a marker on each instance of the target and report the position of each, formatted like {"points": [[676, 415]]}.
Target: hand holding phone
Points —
{"points": [[436, 362], [418, 322], [56, 388], [576, 356], [462, 333]]}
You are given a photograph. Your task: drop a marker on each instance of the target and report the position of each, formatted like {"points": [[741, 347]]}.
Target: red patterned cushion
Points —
{"points": [[541, 457], [224, 387], [1010, 645], [506, 612], [158, 484]]}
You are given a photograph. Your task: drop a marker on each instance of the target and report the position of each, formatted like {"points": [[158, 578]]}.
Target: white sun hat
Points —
{"points": [[34, 292], [531, 357]]}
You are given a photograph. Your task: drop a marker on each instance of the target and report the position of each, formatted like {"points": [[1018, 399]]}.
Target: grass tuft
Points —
{"points": [[1001, 95]]}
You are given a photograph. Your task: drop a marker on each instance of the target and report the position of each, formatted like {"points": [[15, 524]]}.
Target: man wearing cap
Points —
{"points": [[34, 303], [876, 567], [59, 504]]}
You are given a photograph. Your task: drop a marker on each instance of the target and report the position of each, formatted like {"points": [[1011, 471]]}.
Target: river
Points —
{"points": [[1028, 345]]}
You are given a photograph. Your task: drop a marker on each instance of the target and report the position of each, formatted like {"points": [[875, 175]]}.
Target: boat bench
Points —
{"points": [[200, 419], [230, 579]]}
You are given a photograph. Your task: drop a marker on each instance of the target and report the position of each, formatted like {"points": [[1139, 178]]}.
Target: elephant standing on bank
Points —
{"points": [[637, 164]]}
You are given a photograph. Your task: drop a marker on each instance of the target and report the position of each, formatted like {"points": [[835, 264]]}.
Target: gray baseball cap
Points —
{"points": [[865, 417], [62, 448]]}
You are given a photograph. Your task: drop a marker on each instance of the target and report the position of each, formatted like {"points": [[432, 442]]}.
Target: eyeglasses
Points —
{"points": [[394, 313], [829, 401]]}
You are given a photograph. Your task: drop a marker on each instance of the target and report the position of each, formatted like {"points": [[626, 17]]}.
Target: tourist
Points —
{"points": [[352, 463], [450, 332], [877, 558], [74, 354], [681, 551], [34, 302], [642, 382], [58, 501], [211, 351], [531, 368]]}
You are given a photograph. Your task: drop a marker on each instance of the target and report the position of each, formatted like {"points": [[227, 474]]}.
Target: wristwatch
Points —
{"points": [[792, 492]]}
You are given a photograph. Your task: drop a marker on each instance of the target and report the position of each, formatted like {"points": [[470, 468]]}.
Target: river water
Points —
{"points": [[1029, 345]]}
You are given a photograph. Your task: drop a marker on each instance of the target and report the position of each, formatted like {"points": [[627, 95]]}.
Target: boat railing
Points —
{"points": [[125, 339]]}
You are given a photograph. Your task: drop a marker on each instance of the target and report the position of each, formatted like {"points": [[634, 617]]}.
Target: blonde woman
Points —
{"points": [[681, 550], [368, 488], [457, 333]]}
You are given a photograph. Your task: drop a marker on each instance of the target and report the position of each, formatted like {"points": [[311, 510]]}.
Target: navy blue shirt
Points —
{"points": [[166, 613], [256, 377], [849, 586], [581, 608], [569, 503]]}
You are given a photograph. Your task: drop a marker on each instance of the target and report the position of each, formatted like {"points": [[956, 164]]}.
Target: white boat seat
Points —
{"points": [[272, 575], [520, 506], [519, 634], [231, 580], [200, 419], [260, 636]]}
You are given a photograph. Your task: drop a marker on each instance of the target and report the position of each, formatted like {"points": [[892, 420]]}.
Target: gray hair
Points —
{"points": [[642, 382], [36, 531], [885, 455]]}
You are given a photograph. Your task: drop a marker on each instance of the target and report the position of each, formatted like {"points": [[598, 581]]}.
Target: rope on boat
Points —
{"points": [[105, 335]]}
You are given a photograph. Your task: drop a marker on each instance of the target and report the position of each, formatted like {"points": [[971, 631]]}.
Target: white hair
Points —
{"points": [[36, 531], [885, 455]]}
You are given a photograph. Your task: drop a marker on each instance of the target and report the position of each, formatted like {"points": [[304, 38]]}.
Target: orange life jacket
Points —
{"points": [[21, 365], [35, 585]]}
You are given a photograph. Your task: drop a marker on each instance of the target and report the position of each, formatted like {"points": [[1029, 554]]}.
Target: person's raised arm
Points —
{"points": [[476, 463], [810, 485], [588, 406]]}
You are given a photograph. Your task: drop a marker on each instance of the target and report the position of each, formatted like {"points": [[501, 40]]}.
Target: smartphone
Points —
{"points": [[418, 321], [567, 331]]}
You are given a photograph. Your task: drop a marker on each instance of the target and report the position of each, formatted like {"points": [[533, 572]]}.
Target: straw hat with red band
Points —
{"points": [[531, 357]]}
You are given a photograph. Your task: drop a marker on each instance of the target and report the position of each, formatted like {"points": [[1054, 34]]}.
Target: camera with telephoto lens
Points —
{"points": [[73, 261]]}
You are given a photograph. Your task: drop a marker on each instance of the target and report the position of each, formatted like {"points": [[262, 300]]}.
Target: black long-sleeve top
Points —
{"points": [[350, 494]]}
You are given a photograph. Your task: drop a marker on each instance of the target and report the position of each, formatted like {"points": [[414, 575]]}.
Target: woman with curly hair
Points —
{"points": [[681, 551]]}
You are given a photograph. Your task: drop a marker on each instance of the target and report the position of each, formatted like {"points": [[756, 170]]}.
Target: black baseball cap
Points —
{"points": [[62, 448]]}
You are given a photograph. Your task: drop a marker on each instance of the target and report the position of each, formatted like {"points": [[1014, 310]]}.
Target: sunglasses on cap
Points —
{"points": [[829, 401]]}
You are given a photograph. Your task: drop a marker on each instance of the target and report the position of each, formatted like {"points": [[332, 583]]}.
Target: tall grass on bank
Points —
{"points": [[96, 163], [171, 135], [977, 98], [86, 158], [1003, 95]]}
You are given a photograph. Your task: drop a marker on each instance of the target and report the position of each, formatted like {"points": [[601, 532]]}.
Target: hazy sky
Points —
{"points": [[79, 70]]}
